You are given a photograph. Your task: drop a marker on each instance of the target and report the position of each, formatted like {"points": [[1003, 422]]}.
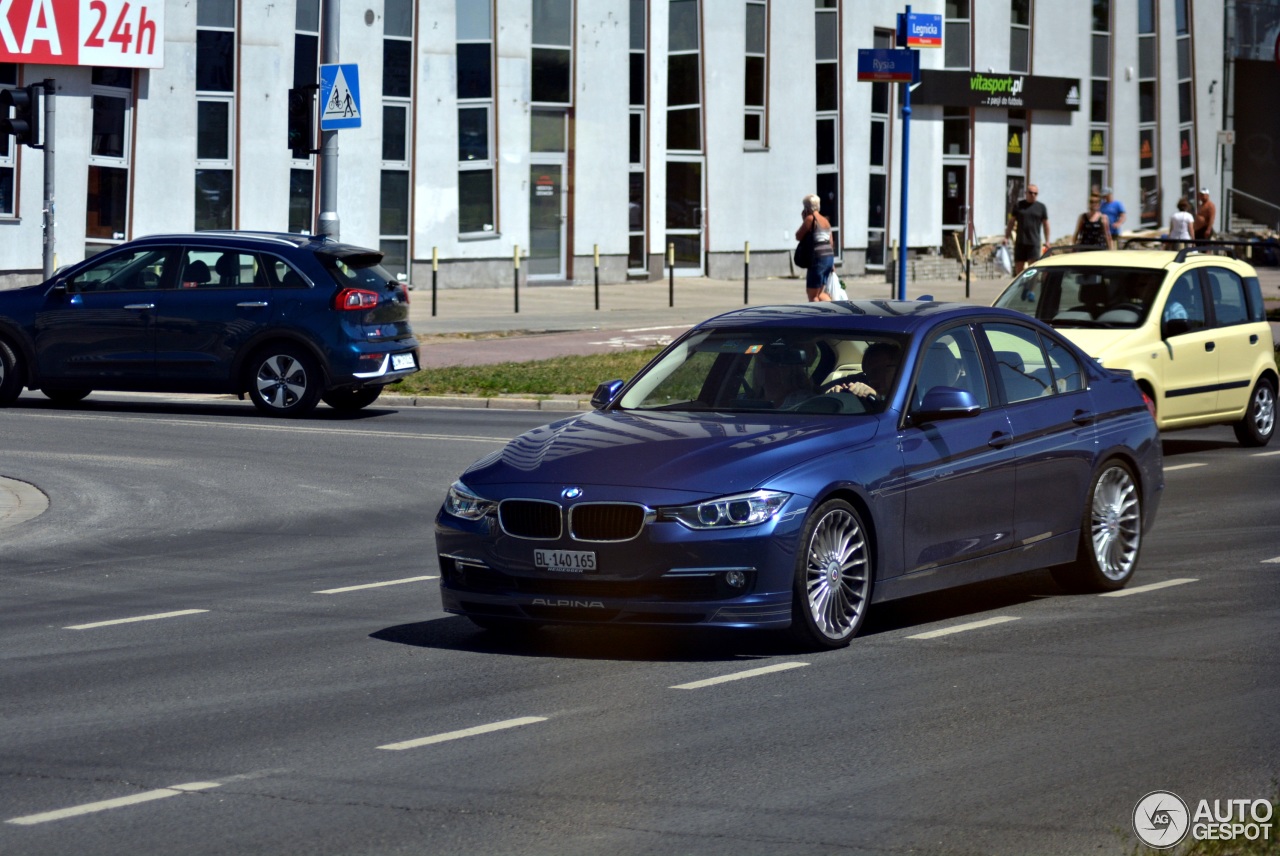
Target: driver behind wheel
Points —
{"points": [[879, 362]]}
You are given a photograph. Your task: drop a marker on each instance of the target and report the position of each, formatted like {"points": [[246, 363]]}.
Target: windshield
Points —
{"points": [[778, 369], [1085, 296]]}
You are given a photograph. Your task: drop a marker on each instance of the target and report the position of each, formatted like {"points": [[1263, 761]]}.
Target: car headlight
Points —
{"points": [[461, 502], [743, 509]]}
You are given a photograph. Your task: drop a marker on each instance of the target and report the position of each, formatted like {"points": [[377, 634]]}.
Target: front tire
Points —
{"points": [[284, 380], [1110, 534], [1259, 421], [351, 400], [833, 576], [10, 375]]}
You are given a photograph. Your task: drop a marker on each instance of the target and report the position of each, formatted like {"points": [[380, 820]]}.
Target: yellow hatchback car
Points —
{"points": [[1189, 325]]}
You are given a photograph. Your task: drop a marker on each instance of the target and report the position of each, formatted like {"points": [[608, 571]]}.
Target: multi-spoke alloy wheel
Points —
{"points": [[1111, 535], [285, 382], [1259, 421], [833, 577]]}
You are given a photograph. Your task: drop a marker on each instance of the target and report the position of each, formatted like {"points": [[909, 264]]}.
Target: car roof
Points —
{"points": [[260, 240], [880, 316], [1150, 259]]}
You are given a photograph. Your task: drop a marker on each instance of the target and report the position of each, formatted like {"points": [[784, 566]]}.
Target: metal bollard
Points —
{"points": [[671, 266], [515, 258], [435, 271], [746, 271], [595, 251]]}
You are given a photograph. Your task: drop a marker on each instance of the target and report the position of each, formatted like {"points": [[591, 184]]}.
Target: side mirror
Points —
{"points": [[606, 393], [946, 402], [59, 288]]}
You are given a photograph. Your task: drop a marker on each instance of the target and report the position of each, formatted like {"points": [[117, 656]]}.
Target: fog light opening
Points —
{"points": [[735, 579]]}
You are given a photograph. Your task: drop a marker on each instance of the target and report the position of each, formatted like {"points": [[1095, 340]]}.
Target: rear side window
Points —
{"points": [[1021, 363], [1257, 312], [1227, 292], [209, 267]]}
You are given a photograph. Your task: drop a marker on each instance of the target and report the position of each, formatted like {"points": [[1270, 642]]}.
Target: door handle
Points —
{"points": [[1209, 346], [1082, 417], [139, 306], [1253, 340], [252, 304], [999, 440]]}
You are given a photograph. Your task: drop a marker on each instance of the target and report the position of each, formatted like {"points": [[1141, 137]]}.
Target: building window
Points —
{"points": [[395, 190], [826, 22], [306, 63], [878, 169], [551, 81], [684, 78], [1020, 36], [1148, 115], [1186, 101], [1015, 159], [756, 91], [215, 114], [476, 132], [637, 184], [8, 152], [955, 38], [107, 209], [1100, 97]]}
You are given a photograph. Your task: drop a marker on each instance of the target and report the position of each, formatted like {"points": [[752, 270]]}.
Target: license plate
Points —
{"points": [[565, 561], [402, 361]]}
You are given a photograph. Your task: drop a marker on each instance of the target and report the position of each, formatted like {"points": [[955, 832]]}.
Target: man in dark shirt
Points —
{"points": [[1031, 219]]}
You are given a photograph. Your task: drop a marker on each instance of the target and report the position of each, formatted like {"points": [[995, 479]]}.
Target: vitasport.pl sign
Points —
{"points": [[1010, 91], [120, 33], [1162, 819]]}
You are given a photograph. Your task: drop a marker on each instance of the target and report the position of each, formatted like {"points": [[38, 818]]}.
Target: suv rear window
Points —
{"points": [[358, 270], [1119, 297]]}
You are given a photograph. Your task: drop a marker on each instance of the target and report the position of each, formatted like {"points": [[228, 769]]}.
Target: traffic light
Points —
{"points": [[301, 120], [24, 124]]}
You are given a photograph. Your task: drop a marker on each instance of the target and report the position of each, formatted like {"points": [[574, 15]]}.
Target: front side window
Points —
{"points": [[132, 270], [952, 360]]}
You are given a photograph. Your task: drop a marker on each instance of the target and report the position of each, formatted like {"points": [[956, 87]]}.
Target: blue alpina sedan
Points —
{"points": [[790, 466]]}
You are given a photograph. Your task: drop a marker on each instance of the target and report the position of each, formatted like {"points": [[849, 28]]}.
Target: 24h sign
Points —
{"points": [[120, 33]]}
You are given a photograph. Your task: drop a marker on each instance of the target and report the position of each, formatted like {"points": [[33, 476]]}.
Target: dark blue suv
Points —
{"points": [[289, 319]]}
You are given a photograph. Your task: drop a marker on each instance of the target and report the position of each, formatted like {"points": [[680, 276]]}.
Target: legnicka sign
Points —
{"points": [[1008, 91]]}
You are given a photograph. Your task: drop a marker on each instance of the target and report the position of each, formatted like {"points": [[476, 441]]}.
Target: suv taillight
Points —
{"points": [[355, 298]]}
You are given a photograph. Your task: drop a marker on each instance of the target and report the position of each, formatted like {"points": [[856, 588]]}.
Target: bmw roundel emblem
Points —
{"points": [[571, 493]]}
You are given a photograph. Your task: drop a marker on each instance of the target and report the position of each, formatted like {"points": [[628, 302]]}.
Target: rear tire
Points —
{"points": [[1259, 421], [351, 400], [10, 375], [1110, 534], [834, 569], [65, 396], [284, 381]]}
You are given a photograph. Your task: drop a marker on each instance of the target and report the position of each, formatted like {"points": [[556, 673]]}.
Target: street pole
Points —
{"points": [[49, 138], [329, 225], [906, 158]]}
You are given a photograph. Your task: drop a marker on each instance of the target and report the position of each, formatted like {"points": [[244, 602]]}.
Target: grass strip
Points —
{"points": [[579, 374]]}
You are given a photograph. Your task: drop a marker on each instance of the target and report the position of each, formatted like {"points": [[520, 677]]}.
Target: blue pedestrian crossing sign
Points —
{"points": [[339, 96]]}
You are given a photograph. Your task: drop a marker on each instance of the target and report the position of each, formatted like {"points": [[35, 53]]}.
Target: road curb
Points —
{"points": [[20, 502], [551, 405]]}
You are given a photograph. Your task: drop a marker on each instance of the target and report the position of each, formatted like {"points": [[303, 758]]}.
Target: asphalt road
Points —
{"points": [[295, 687]]}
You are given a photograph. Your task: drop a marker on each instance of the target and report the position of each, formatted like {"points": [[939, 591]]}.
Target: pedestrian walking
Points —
{"points": [[1093, 229], [1206, 211], [816, 230], [1181, 224], [1114, 209], [1028, 221]]}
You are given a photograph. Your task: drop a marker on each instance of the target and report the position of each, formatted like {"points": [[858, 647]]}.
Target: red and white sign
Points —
{"points": [[119, 33]]}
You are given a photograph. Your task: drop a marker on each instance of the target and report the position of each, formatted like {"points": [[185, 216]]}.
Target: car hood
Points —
{"points": [[706, 454], [1101, 344]]}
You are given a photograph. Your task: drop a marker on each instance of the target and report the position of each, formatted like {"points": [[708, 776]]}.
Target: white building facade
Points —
{"points": [[554, 129]]}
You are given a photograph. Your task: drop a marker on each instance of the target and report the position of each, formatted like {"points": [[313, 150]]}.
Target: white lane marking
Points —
{"points": [[466, 732], [376, 585], [1184, 467], [1152, 587], [104, 805], [1265, 454], [337, 432], [737, 676], [961, 628], [1275, 561], [155, 617]]}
